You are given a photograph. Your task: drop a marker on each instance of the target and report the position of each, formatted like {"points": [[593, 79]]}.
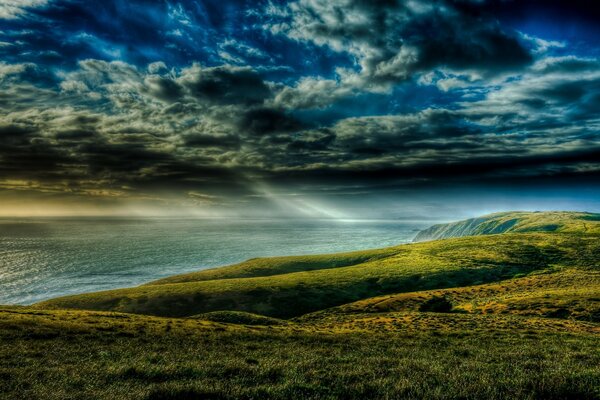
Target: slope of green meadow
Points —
{"points": [[408, 268]]}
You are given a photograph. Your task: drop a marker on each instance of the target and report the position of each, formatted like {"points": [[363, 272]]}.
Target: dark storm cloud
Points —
{"points": [[224, 141], [572, 11], [550, 95], [226, 85], [472, 171], [163, 88], [311, 142], [542, 124], [15, 134], [24, 154], [145, 143], [261, 121], [75, 134]]}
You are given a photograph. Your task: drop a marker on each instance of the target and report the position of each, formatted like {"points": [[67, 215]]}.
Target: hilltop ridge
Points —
{"points": [[513, 222]]}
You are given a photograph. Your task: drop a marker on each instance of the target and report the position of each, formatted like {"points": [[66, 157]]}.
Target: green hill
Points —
{"points": [[281, 265], [511, 222], [239, 318], [286, 287]]}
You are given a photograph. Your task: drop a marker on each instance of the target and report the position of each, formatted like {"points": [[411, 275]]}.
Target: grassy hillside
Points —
{"points": [[506, 222], [286, 287], [239, 318], [564, 293], [281, 265], [512, 315], [449, 263]]}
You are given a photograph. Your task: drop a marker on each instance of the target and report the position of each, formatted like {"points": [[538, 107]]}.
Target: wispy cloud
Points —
{"points": [[11, 9]]}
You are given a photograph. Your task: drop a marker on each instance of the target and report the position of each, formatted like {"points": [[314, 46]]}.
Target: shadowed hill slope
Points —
{"points": [[566, 293], [512, 222]]}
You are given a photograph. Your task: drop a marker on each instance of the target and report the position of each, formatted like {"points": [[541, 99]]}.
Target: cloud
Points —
{"points": [[555, 92], [311, 92], [392, 42], [163, 88], [541, 122], [225, 85], [11, 9], [203, 198], [111, 125], [260, 121], [234, 51], [221, 85], [346, 96], [24, 72], [541, 46]]}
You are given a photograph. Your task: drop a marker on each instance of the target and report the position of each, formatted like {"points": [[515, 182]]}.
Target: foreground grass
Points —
{"points": [[61, 355]]}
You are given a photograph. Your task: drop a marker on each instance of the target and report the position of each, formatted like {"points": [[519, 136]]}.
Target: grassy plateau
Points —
{"points": [[505, 306]]}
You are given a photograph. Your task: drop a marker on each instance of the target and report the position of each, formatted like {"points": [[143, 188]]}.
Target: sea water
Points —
{"points": [[41, 258]]}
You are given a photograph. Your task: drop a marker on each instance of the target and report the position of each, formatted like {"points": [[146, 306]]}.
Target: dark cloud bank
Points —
{"points": [[242, 124]]}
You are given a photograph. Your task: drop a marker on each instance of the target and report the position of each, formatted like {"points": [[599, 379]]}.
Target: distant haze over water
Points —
{"points": [[41, 258]]}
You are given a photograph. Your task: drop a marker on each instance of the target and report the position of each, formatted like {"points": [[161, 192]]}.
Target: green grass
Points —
{"points": [[281, 265], [78, 354], [239, 318], [524, 324]]}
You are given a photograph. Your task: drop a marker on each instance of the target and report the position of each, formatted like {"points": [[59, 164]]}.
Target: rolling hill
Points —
{"points": [[286, 287]]}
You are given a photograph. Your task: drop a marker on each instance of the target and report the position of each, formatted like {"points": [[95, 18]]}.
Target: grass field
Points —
{"points": [[79, 354], [502, 314]]}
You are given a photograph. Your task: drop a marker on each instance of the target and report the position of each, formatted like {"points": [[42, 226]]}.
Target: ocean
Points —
{"points": [[41, 258]]}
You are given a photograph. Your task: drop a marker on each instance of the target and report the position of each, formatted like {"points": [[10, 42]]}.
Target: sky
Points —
{"points": [[328, 109]]}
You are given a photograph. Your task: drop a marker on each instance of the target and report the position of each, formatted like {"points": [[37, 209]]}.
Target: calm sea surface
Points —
{"points": [[42, 258]]}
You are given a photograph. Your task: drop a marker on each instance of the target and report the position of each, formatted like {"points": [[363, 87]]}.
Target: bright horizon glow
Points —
{"points": [[453, 207]]}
